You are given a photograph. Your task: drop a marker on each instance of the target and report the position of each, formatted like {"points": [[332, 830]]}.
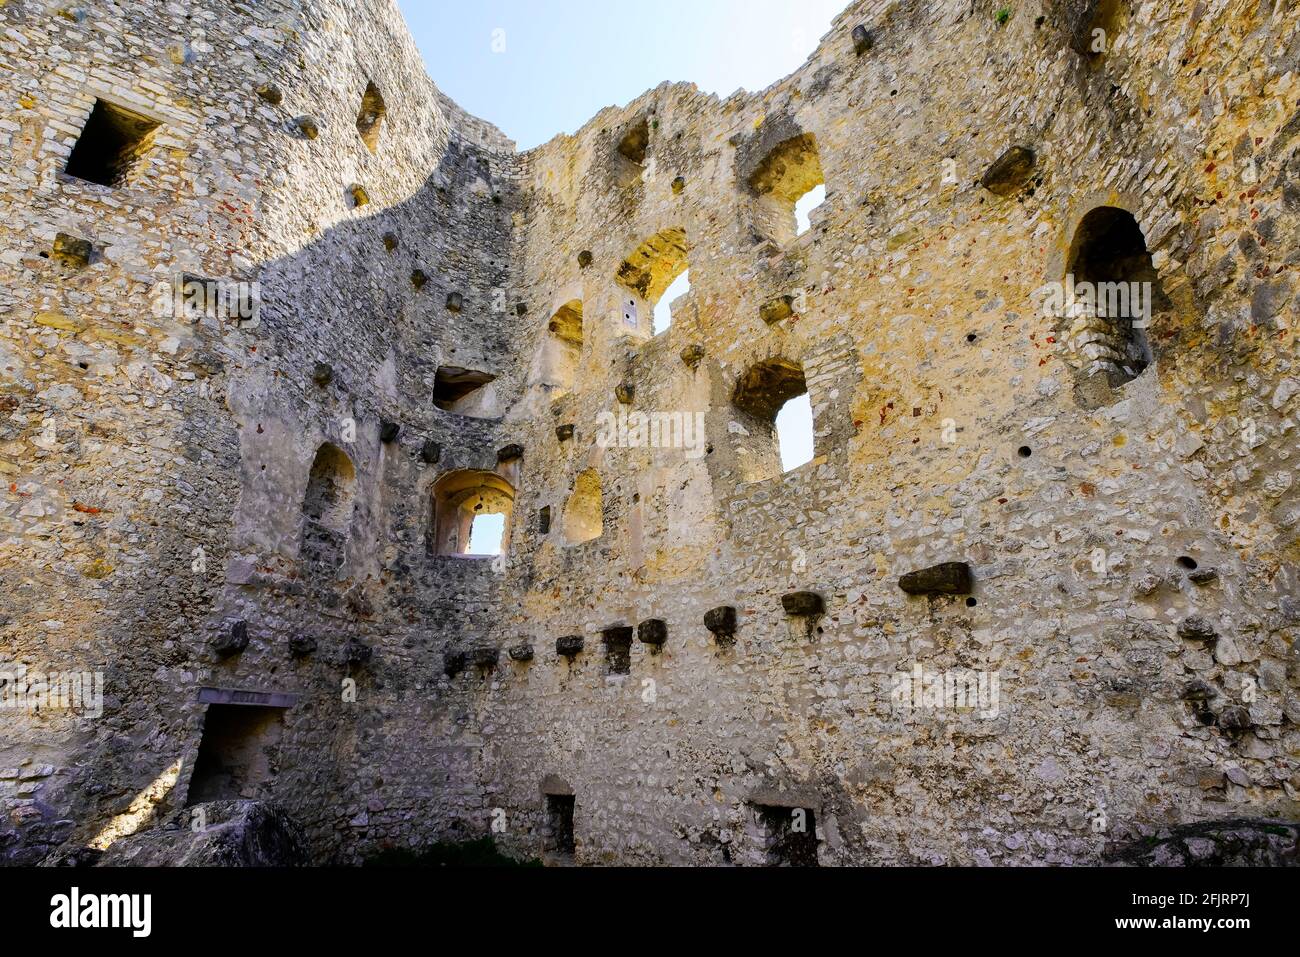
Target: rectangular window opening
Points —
{"points": [[110, 145]]}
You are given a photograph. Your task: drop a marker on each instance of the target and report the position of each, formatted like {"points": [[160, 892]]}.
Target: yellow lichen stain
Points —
{"points": [[1120, 440], [57, 320], [26, 101], [97, 569], [1026, 654]]}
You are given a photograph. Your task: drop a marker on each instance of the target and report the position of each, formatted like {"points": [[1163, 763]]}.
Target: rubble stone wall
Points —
{"points": [[1134, 546]]}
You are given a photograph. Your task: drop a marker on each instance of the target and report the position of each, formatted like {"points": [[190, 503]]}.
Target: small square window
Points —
{"points": [[111, 143]]}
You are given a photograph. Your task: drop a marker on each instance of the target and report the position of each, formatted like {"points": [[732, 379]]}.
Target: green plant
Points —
{"points": [[1002, 16]]}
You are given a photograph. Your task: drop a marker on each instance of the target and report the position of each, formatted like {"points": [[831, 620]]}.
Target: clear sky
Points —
{"points": [[536, 68]]}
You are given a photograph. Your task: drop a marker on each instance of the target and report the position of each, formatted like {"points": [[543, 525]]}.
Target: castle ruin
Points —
{"points": [[279, 321]]}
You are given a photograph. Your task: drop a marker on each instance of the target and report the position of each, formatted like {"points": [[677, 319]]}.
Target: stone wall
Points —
{"points": [[953, 423]]}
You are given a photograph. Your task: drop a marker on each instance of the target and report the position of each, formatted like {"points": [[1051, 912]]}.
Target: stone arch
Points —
{"points": [[1111, 291], [370, 119], [759, 395], [790, 170], [461, 496], [646, 274], [584, 518]]}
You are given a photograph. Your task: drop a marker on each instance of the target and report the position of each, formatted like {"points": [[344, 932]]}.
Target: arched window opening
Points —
{"points": [[647, 275], [1114, 290], [663, 315], [471, 514], [584, 511], [327, 507], [791, 171], [370, 120], [761, 395]]}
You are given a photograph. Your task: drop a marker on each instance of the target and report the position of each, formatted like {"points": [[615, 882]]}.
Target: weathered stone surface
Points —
{"points": [[1237, 842], [721, 621], [1197, 628], [569, 645], [231, 640], [164, 474], [803, 603], [237, 834], [1010, 171], [948, 578], [652, 631]]}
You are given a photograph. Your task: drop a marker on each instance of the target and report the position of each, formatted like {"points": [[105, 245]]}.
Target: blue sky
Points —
{"points": [[561, 61]]}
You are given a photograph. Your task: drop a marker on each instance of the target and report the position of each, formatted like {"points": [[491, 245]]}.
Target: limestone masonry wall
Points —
{"points": [[254, 527]]}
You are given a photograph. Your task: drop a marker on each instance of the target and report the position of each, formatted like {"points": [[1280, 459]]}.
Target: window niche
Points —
{"points": [[791, 171], [646, 276], [562, 349], [234, 759], [327, 507], [459, 499], [370, 120], [466, 392], [584, 511], [1113, 290], [630, 154], [111, 145], [760, 395]]}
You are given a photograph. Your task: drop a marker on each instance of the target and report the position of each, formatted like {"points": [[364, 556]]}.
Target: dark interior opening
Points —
{"points": [[235, 754], [110, 143], [1109, 248], [559, 823], [618, 650], [791, 834]]}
